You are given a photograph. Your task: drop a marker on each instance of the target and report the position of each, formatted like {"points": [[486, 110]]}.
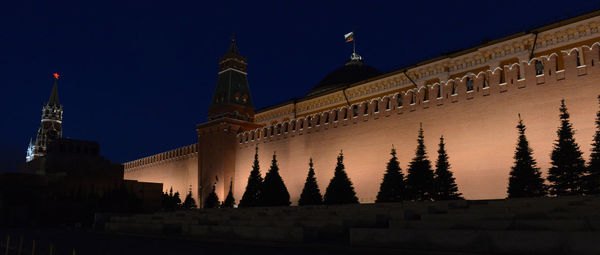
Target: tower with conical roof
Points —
{"points": [[51, 126], [231, 98], [231, 112]]}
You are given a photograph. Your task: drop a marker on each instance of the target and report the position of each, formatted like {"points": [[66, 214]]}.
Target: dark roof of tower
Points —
{"points": [[54, 95], [233, 49], [353, 71]]}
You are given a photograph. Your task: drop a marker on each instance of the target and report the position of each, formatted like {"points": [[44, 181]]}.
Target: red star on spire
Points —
{"points": [[56, 75]]}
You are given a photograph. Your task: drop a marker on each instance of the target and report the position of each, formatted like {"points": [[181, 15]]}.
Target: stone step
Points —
{"points": [[505, 242], [533, 225], [277, 234]]}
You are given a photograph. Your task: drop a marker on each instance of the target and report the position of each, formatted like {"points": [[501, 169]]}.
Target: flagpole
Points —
{"points": [[353, 44]]}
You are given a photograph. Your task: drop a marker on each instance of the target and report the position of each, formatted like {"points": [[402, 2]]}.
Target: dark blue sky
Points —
{"points": [[137, 76]]}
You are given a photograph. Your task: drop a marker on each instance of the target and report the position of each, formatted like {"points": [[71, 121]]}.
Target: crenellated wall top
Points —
{"points": [[517, 47], [175, 154], [540, 70]]}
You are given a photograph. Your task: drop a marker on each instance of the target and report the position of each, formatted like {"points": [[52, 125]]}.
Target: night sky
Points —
{"points": [[137, 76]]}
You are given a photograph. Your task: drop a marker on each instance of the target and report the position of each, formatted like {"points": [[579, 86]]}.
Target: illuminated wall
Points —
{"points": [[478, 126], [176, 168]]}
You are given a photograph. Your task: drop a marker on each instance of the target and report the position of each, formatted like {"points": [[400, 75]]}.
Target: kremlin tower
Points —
{"points": [[51, 126]]}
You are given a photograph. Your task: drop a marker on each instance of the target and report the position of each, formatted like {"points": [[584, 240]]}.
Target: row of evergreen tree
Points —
{"points": [[421, 183], [568, 174]]}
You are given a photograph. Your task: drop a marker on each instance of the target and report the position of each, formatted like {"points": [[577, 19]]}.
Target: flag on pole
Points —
{"points": [[349, 37]]}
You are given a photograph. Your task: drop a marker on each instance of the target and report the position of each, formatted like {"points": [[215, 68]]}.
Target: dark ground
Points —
{"points": [[88, 242]]}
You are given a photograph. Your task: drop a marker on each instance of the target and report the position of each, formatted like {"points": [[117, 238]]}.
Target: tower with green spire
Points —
{"points": [[51, 126], [232, 98]]}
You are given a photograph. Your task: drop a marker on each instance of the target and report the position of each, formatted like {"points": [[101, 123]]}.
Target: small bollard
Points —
{"points": [[7, 244], [20, 245]]}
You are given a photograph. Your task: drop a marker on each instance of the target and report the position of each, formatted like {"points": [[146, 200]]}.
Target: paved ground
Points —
{"points": [[97, 243]]}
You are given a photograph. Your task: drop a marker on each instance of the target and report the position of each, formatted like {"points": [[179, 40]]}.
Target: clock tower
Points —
{"points": [[51, 126]]}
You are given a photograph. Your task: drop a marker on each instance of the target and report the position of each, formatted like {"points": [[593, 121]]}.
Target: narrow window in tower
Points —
{"points": [[366, 108], [279, 129], [300, 126], [453, 88], [345, 113], [426, 94], [439, 91], [539, 67], [578, 60], [376, 103], [293, 125], [354, 111], [246, 138], [556, 64], [326, 118], [469, 84], [485, 81], [272, 130], [412, 97], [518, 73], [309, 122], [387, 103], [335, 115], [592, 62], [285, 127], [399, 100], [502, 76]]}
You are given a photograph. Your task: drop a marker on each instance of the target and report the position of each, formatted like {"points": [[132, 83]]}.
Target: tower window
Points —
{"points": [[485, 82], [539, 67], [426, 94], [294, 125], [285, 127], [469, 84], [272, 130], [327, 118], [345, 113], [309, 122], [278, 129], [412, 97], [387, 104], [439, 91], [399, 100], [578, 60], [453, 88], [376, 103], [301, 125], [354, 110], [366, 110], [335, 116]]}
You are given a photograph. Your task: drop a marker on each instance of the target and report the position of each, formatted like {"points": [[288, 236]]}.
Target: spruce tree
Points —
{"points": [[419, 181], [593, 169], [311, 195], [212, 200], [340, 189], [274, 192], [229, 201], [568, 167], [444, 182], [392, 187], [189, 202], [255, 181], [525, 177], [176, 200]]}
